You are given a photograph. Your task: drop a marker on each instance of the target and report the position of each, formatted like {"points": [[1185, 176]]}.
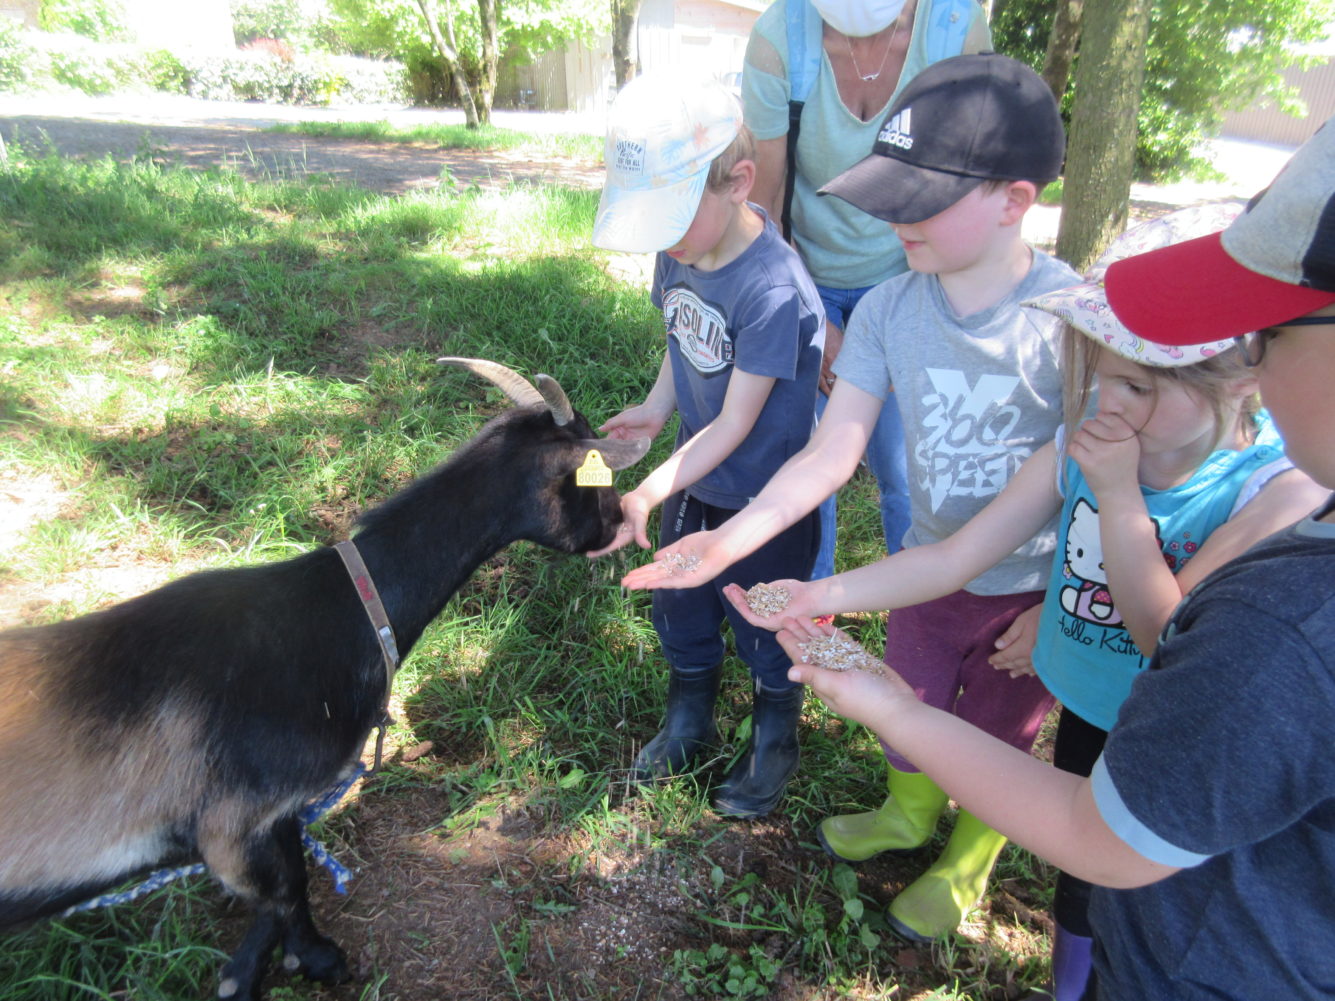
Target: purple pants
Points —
{"points": [[941, 648]]}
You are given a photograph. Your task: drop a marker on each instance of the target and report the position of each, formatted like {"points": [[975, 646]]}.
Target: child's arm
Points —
{"points": [[700, 456], [1288, 497], [1144, 588], [1043, 809], [921, 573], [647, 419], [805, 480]]}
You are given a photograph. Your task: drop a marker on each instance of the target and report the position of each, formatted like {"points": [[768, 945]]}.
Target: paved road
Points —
{"points": [[208, 133], [214, 133]]}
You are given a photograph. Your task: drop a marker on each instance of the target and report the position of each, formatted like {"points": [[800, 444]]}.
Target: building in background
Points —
{"points": [[1264, 122], [702, 36], [161, 24]]}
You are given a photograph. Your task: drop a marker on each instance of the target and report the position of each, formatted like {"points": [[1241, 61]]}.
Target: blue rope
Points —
{"points": [[312, 812]]}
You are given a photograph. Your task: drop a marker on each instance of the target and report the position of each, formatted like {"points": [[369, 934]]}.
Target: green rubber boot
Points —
{"points": [[936, 902], [904, 822]]}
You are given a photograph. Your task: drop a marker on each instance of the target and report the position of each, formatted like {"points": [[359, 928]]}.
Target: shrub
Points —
{"points": [[274, 46], [85, 65], [162, 70], [258, 75], [36, 59]]}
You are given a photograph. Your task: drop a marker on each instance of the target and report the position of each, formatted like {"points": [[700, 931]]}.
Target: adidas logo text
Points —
{"points": [[897, 131]]}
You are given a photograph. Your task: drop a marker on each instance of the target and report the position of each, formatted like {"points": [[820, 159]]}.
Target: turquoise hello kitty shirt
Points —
{"points": [[1084, 654]]}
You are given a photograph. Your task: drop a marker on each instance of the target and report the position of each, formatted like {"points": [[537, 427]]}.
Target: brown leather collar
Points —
{"points": [[384, 631]]}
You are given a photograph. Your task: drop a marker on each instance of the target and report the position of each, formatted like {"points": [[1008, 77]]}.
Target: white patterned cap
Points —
{"points": [[1085, 306], [663, 132]]}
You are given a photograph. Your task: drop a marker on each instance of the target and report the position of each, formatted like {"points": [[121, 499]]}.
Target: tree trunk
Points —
{"points": [[1101, 153], [486, 11], [444, 42], [1062, 41], [624, 13]]}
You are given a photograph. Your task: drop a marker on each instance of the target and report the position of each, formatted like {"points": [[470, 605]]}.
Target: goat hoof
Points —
{"points": [[320, 961]]}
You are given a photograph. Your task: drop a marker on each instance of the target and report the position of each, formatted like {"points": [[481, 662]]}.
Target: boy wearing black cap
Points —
{"points": [[1208, 823], [959, 161]]}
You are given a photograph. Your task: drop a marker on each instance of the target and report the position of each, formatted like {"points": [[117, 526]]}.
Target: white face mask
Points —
{"points": [[858, 18]]}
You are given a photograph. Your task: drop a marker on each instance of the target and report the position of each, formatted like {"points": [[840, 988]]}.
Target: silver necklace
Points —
{"points": [[869, 77]]}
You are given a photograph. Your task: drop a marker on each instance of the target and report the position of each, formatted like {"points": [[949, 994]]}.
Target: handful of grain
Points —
{"points": [[767, 599], [839, 653], [677, 563]]}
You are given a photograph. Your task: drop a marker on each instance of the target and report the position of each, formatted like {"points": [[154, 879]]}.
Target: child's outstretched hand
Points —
{"points": [[634, 525], [867, 698], [642, 421], [769, 605], [688, 562], [1108, 451]]}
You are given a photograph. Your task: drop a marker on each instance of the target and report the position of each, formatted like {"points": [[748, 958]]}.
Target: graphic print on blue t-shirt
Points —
{"points": [[966, 448], [700, 328]]}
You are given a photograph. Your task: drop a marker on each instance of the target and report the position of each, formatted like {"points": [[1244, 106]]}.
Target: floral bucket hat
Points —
{"points": [[1085, 306]]}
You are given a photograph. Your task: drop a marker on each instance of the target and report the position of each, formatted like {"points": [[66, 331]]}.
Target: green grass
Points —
{"points": [[488, 137], [200, 370]]}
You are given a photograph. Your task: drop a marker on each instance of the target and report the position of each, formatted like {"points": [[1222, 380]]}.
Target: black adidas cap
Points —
{"points": [[959, 122]]}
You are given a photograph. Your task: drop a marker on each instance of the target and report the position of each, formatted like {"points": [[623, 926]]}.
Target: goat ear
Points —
{"points": [[617, 453], [562, 412], [518, 389]]}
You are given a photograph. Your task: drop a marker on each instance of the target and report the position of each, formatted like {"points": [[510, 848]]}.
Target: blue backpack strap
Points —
{"points": [[803, 29], [948, 26]]}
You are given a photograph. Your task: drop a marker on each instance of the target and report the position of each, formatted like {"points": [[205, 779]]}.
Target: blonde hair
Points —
{"points": [[1211, 380], [743, 147]]}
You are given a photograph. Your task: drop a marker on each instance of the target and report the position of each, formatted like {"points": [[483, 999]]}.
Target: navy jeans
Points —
{"points": [[689, 621]]}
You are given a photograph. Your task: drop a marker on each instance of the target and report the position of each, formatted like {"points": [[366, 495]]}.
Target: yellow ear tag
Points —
{"points": [[594, 472]]}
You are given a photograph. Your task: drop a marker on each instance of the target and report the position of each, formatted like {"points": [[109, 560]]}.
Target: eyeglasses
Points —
{"points": [[1252, 346]]}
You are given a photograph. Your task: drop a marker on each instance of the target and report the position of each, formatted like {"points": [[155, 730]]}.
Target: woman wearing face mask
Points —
{"points": [[844, 60]]}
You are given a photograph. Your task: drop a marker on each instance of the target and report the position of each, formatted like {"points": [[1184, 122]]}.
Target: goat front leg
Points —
{"points": [[271, 874]]}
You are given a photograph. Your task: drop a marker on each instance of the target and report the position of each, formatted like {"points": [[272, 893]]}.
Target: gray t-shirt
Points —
{"points": [[979, 394]]}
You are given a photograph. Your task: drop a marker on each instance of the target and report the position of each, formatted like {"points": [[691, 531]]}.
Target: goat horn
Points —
{"points": [[562, 412], [519, 390]]}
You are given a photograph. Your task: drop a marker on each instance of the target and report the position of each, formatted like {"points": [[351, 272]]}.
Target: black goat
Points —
{"points": [[195, 721]]}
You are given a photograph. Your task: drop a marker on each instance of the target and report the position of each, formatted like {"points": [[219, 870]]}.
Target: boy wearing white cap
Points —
{"points": [[745, 331], [1208, 822]]}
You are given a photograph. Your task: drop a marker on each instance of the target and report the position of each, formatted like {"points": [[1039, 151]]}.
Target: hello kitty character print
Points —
{"points": [[1085, 593]]}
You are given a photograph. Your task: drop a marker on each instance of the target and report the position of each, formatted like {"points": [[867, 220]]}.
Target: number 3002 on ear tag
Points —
{"points": [[594, 472]]}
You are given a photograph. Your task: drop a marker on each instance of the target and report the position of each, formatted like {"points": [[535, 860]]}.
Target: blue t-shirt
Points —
{"points": [[1221, 761], [1084, 653], [762, 314]]}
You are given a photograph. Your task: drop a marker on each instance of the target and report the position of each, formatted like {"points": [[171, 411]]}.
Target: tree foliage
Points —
{"points": [[100, 20], [1205, 57], [524, 30]]}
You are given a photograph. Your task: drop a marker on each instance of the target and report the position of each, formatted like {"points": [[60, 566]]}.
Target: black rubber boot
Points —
{"points": [[756, 783], [688, 725]]}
